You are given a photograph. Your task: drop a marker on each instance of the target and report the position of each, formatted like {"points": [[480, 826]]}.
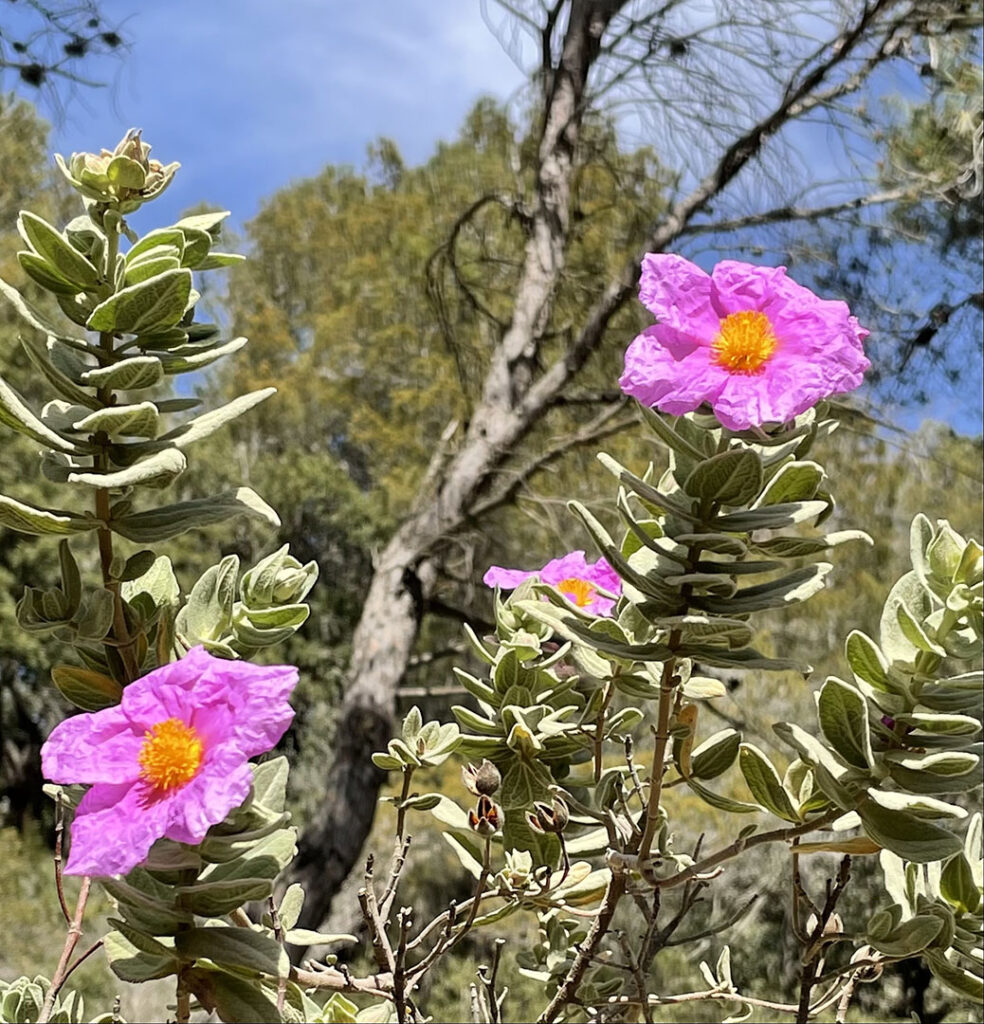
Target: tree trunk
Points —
{"points": [[390, 620]]}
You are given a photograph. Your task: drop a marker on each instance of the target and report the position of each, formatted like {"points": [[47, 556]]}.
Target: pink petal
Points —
{"points": [[505, 579], [601, 574], [739, 287], [114, 829], [569, 566], [677, 292], [257, 696], [98, 747], [168, 691], [222, 784]]}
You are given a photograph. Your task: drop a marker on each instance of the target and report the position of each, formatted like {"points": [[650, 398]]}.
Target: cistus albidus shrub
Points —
{"points": [[592, 705]]}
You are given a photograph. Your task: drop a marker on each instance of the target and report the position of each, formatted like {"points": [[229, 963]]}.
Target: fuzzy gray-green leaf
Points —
{"points": [[171, 520], [157, 303]]}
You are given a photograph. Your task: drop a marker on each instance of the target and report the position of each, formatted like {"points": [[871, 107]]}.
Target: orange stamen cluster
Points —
{"points": [[171, 754], [746, 342], [581, 592]]}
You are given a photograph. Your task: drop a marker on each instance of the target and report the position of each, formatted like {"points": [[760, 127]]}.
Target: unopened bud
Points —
{"points": [[486, 818], [551, 817], [483, 780]]}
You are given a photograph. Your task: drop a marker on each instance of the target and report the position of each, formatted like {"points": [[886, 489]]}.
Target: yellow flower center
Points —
{"points": [[746, 342], [171, 754], [579, 591]]}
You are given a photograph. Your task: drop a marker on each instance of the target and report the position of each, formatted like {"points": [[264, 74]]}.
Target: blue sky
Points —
{"points": [[252, 94]]}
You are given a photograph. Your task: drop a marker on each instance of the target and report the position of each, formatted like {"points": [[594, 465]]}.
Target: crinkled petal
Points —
{"points": [[656, 375], [739, 287], [573, 565], [98, 747], [114, 829], [677, 293], [258, 698], [171, 691], [506, 579], [749, 400], [601, 574], [222, 785], [600, 606]]}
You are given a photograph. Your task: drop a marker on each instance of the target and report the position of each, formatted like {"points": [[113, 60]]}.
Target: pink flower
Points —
{"points": [[169, 761], [748, 340], [577, 579]]}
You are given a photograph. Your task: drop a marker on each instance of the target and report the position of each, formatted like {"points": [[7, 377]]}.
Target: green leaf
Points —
{"points": [[207, 613], [796, 586], [235, 1000], [798, 547], [217, 260], [920, 806], [202, 426], [722, 803], [911, 937], [171, 520], [912, 838], [42, 273], [866, 661], [964, 983], [131, 964], [944, 772], [41, 357], [138, 420], [919, 602], [796, 481], [209, 222], [156, 471], [941, 724], [127, 375], [913, 631], [764, 783], [157, 581], [49, 243], [731, 478], [958, 886], [144, 269], [772, 517], [270, 783], [715, 755], [857, 846], [148, 306], [703, 688], [676, 506], [843, 715], [195, 357], [16, 414], [16, 515], [522, 783], [88, 690], [169, 239], [233, 947], [124, 172], [31, 315]]}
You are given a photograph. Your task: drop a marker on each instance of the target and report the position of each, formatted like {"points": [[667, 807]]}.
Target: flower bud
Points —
{"points": [[551, 817], [121, 180], [483, 780], [486, 818]]}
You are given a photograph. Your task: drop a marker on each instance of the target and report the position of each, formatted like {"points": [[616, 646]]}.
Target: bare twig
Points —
{"points": [[59, 834], [71, 941]]}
